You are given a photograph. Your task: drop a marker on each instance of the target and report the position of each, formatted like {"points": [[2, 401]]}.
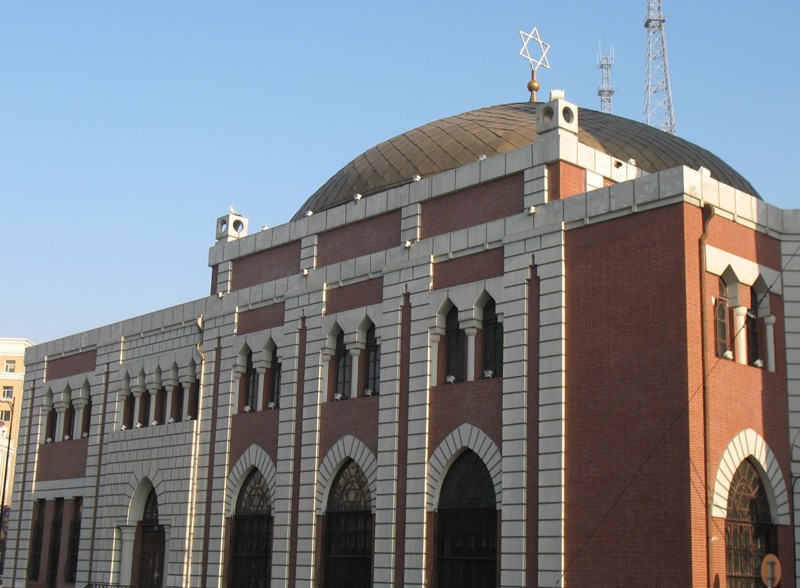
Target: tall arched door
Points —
{"points": [[348, 531], [466, 526], [150, 546], [749, 532]]}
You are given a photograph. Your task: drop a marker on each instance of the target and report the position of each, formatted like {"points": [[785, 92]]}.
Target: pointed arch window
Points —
{"points": [[492, 341], [455, 347], [466, 526], [251, 562], [348, 530], [248, 385], [343, 365], [749, 532], [275, 379], [372, 362], [721, 313], [753, 332]]}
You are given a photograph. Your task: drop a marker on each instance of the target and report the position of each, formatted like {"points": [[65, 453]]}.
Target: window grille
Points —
{"points": [[55, 544], [151, 558], [749, 532], [74, 541], [348, 530], [35, 555], [252, 534], [466, 526]]}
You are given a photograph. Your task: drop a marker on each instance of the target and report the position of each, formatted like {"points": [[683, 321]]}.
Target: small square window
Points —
{"points": [[11, 366], [8, 391]]}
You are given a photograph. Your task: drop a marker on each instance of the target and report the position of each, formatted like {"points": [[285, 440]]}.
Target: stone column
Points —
{"points": [[187, 391], [128, 533], [153, 401], [61, 409], [740, 340], [77, 426], [166, 417], [355, 353], [769, 323], [470, 332]]}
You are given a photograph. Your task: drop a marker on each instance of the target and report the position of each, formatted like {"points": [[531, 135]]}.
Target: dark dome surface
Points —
{"points": [[451, 142]]}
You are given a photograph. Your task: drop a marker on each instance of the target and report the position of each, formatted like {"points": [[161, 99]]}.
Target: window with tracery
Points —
{"points": [[151, 545], [749, 532], [455, 347], [466, 526], [348, 528], [492, 341], [251, 561]]}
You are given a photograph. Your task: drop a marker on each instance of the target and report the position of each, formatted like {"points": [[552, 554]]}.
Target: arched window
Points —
{"points": [[251, 561], [342, 389], [348, 530], [151, 546], [275, 380], [466, 526], [721, 320], [248, 385], [455, 347], [372, 362], [753, 332], [492, 341], [749, 532]]}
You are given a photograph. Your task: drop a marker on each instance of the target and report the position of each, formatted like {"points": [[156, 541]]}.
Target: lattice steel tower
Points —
{"points": [[657, 94], [606, 90]]}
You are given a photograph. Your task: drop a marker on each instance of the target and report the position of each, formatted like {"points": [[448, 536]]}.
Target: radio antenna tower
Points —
{"points": [[657, 94], [606, 90]]}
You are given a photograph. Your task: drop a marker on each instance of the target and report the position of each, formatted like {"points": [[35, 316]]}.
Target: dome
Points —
{"points": [[451, 142]]}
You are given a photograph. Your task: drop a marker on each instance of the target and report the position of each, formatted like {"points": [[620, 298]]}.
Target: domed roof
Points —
{"points": [[457, 140]]}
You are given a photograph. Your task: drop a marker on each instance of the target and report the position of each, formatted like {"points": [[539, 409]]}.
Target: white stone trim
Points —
{"points": [[749, 444], [747, 272], [464, 437], [253, 458], [346, 447]]}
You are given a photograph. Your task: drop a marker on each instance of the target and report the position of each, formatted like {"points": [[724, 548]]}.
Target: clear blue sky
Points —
{"points": [[127, 128]]}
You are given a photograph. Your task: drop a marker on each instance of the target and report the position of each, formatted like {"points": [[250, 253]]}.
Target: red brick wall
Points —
{"points": [[473, 206], [470, 268], [266, 317], [742, 396], [564, 180], [354, 416], [254, 428], [354, 296], [265, 266], [357, 239], [80, 363], [627, 478], [62, 460], [478, 403]]}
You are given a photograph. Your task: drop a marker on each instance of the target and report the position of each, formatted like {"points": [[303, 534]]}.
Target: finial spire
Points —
{"points": [[536, 63]]}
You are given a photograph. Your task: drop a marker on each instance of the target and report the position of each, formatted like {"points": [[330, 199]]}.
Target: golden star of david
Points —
{"points": [[525, 52]]}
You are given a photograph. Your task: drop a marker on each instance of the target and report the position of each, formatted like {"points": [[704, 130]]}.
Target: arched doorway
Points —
{"points": [[348, 530], [252, 535], [466, 526], [749, 532], [150, 546]]}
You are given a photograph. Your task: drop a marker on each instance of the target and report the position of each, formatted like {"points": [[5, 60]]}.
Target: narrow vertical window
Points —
{"points": [[492, 342], [69, 422], [342, 368], [54, 551], [37, 537], [87, 418], [50, 431], [455, 347], [74, 541], [176, 411], [275, 380], [721, 321], [372, 363], [161, 406], [144, 409], [128, 416], [753, 333]]}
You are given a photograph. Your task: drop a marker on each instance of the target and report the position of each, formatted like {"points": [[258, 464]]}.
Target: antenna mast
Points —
{"points": [[657, 94], [606, 90]]}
